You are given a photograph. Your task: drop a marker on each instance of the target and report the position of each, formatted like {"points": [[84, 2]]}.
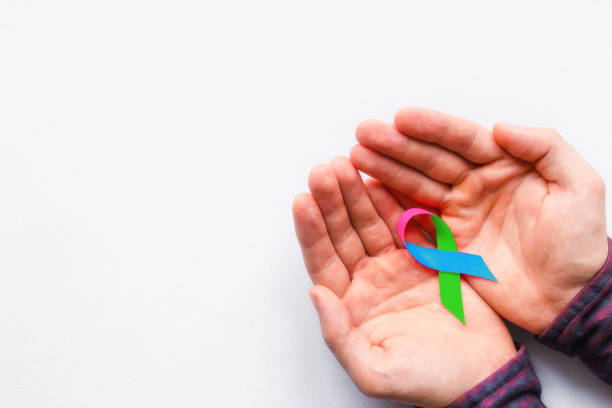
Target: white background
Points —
{"points": [[150, 151]]}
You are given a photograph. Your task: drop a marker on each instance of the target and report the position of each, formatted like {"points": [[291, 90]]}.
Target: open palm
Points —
{"points": [[380, 311], [520, 197]]}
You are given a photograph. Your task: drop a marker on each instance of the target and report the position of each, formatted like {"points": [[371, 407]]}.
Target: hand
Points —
{"points": [[380, 310], [521, 198]]}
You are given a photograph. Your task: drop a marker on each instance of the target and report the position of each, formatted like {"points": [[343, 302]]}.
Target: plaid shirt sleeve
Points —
{"points": [[514, 385], [584, 328]]}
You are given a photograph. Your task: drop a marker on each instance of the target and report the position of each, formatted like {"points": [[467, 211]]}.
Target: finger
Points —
{"points": [[352, 349], [326, 192], [553, 157], [433, 160], [322, 262], [399, 176], [374, 233], [390, 211], [472, 141]]}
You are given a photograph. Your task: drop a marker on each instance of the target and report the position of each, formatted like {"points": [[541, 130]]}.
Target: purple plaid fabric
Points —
{"points": [[584, 328], [515, 384]]}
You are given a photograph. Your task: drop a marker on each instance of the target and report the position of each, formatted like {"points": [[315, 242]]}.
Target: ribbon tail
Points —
{"points": [[450, 293]]}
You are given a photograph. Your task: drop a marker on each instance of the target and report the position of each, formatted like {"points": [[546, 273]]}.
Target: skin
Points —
{"points": [[520, 197], [380, 310]]}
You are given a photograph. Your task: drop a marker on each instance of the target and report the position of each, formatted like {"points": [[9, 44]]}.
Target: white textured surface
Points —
{"points": [[150, 150]]}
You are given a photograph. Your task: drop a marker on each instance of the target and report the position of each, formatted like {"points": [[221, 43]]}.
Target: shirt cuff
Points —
{"points": [[584, 327], [515, 384]]}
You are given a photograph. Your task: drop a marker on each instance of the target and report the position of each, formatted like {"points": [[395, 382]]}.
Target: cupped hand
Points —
{"points": [[380, 310], [521, 198]]}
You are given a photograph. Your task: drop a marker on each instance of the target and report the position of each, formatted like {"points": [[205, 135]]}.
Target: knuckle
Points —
{"points": [[430, 162], [399, 146]]}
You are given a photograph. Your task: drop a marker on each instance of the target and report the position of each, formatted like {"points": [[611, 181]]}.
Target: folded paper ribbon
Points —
{"points": [[446, 260]]}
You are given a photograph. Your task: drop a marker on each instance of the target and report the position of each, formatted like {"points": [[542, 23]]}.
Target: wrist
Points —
{"points": [[514, 383], [584, 327], [589, 266], [481, 368]]}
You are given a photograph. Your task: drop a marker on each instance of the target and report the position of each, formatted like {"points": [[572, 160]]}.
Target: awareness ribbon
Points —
{"points": [[449, 263]]}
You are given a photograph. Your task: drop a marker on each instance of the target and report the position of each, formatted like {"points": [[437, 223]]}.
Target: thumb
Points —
{"points": [[552, 156], [334, 318], [349, 345]]}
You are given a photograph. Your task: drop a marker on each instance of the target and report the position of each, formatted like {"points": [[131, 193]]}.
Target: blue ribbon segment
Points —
{"points": [[456, 262]]}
